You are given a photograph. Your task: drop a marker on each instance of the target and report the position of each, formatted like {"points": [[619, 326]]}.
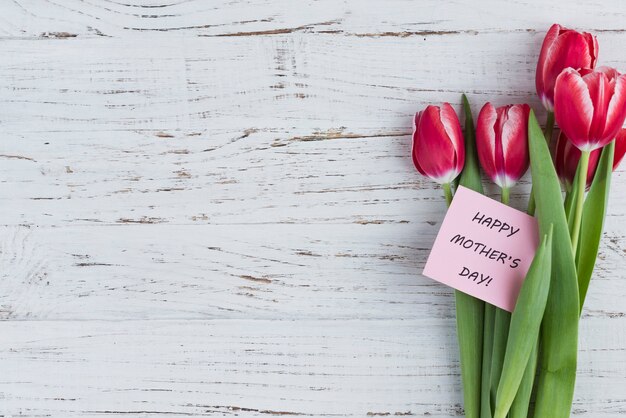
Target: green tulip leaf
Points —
{"points": [[594, 212], [524, 326], [559, 331], [521, 403]]}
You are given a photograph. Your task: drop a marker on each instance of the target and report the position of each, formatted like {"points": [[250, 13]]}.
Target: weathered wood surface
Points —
{"points": [[262, 367], [208, 207]]}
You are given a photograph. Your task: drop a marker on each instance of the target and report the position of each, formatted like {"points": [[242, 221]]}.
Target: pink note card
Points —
{"points": [[484, 248]]}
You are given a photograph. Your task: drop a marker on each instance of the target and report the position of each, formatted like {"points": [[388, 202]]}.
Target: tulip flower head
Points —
{"points": [[562, 48], [590, 105], [438, 147], [502, 142], [567, 156]]}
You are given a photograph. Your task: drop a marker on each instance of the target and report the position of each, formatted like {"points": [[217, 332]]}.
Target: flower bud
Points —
{"points": [[590, 106], [562, 48], [438, 148], [502, 142]]}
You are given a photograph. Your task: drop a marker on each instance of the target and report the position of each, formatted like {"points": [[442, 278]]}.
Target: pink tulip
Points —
{"points": [[590, 106], [562, 48], [567, 156], [438, 148], [502, 142]]}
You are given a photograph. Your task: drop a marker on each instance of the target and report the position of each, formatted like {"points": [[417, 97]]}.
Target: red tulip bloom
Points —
{"points": [[590, 106], [502, 142], [562, 48], [567, 156], [438, 148]]}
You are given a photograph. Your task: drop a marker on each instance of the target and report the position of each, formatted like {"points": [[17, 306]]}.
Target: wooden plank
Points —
{"points": [[76, 18], [208, 208], [242, 271], [263, 368]]}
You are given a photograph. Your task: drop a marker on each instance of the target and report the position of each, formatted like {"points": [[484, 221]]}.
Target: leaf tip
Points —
{"points": [[546, 241]]}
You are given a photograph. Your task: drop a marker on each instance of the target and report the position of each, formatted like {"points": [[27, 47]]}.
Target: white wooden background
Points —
{"points": [[209, 207]]}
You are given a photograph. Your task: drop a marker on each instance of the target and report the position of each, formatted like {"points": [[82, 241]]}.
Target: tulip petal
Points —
{"points": [[594, 157], [515, 144], [600, 92], [594, 48], [551, 36], [453, 128], [569, 49], [416, 120], [486, 140], [616, 111], [610, 72], [433, 149], [573, 107]]}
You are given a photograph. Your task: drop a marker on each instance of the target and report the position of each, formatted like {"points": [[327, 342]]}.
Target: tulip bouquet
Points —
{"points": [[523, 363]]}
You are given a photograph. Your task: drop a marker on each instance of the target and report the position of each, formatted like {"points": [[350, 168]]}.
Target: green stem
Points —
{"points": [[505, 195], [502, 320], [447, 190], [547, 133], [485, 395], [521, 403], [580, 198], [500, 336]]}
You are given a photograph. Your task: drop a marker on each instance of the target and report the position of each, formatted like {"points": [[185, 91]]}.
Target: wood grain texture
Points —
{"points": [[263, 368], [209, 208]]}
